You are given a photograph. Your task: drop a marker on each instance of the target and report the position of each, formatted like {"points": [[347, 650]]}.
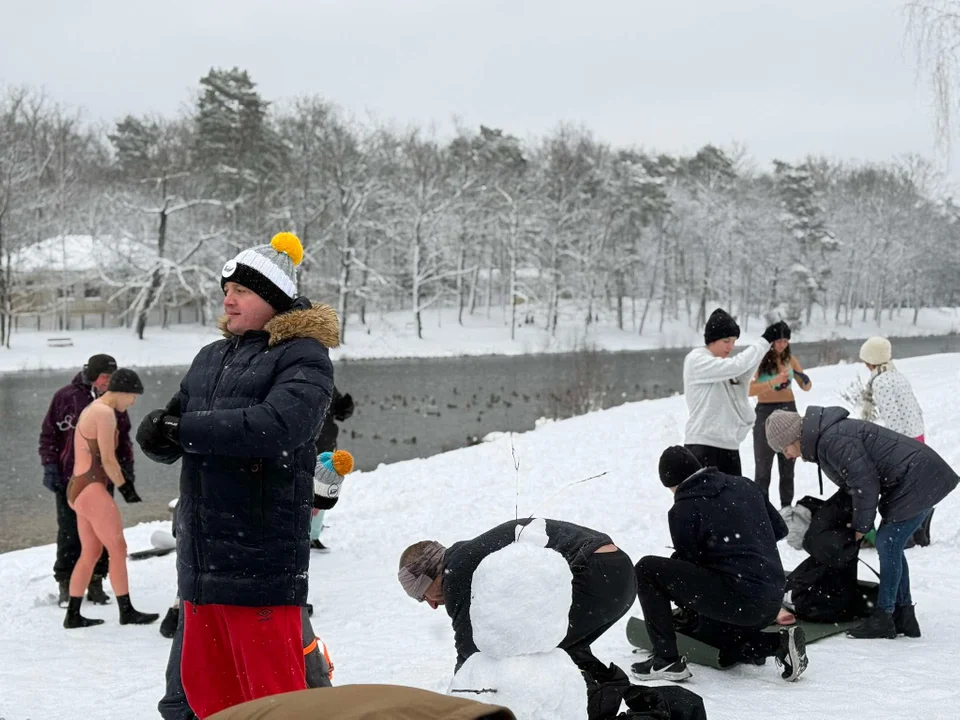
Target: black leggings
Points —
{"points": [[763, 455], [726, 461], [730, 619]]}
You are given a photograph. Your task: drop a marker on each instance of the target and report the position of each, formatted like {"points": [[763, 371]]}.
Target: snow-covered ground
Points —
{"points": [[377, 634], [393, 335]]}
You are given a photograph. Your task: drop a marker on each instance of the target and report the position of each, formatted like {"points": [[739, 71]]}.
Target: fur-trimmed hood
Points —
{"points": [[319, 322]]}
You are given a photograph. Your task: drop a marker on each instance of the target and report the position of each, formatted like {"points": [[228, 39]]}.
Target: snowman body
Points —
{"points": [[519, 609]]}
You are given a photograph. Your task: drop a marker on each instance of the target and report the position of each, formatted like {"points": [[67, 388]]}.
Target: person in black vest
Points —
{"points": [[249, 408], [725, 568]]}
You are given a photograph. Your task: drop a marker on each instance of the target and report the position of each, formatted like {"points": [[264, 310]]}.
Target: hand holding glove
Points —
{"points": [[342, 407], [129, 493]]}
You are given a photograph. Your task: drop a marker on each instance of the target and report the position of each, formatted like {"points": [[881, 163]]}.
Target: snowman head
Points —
{"points": [[521, 596]]}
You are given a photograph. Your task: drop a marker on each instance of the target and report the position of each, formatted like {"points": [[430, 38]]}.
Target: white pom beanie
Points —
{"points": [[876, 351]]}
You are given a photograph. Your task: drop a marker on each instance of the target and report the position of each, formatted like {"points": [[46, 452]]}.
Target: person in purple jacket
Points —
{"points": [[56, 455]]}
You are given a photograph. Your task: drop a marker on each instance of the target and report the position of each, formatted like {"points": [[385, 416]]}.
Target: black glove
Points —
{"points": [[777, 331], [129, 492], [803, 377], [127, 469], [170, 428], [343, 407], [154, 442], [51, 478]]}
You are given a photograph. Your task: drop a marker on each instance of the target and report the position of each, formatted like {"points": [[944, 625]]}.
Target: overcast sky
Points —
{"points": [[832, 77]]}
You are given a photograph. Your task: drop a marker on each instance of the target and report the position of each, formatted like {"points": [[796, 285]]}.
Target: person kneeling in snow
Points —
{"points": [[604, 587], [725, 568], [883, 471]]}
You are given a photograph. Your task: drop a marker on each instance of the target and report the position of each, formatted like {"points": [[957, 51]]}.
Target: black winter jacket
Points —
{"points": [[251, 407], [461, 559], [880, 469], [725, 524]]}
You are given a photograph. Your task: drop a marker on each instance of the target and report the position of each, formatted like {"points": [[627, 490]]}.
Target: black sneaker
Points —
{"points": [[905, 621], [878, 625], [792, 653], [317, 545], [654, 668]]}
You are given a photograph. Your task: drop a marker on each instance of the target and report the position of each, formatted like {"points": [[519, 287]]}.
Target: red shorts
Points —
{"points": [[232, 654]]}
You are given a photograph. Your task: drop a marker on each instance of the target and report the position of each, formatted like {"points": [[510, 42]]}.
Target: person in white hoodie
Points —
{"points": [[716, 387]]}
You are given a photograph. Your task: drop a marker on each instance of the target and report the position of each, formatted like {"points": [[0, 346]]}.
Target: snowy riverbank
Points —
{"points": [[393, 335], [376, 634]]}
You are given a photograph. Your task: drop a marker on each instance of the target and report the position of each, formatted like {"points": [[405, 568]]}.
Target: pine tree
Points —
{"points": [[809, 244]]}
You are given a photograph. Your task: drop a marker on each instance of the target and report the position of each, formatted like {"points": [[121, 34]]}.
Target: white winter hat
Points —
{"points": [[876, 351]]}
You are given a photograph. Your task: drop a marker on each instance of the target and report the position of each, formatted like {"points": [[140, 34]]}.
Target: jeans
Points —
{"points": [[763, 455], [726, 461], [894, 574]]}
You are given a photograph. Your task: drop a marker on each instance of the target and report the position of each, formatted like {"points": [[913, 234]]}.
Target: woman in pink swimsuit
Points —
{"points": [[98, 517]]}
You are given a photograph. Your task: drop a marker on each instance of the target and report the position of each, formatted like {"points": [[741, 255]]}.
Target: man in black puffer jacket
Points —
{"points": [[883, 471], [725, 568], [249, 409]]}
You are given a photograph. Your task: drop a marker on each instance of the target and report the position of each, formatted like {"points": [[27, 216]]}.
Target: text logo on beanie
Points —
{"points": [[719, 326], [268, 270]]}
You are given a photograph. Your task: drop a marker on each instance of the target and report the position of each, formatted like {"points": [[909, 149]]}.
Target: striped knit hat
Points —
{"points": [[268, 270]]}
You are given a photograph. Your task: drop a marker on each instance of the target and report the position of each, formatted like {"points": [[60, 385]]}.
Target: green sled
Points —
{"points": [[703, 654]]}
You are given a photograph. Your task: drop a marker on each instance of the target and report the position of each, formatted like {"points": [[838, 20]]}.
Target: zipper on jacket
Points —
{"points": [[199, 554]]}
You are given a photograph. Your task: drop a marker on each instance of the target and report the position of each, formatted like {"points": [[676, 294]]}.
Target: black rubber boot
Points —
{"points": [[878, 625], [129, 615], [74, 619], [168, 627], [905, 621], [96, 594]]}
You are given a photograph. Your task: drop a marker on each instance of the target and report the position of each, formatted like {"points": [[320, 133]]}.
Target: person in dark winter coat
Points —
{"points": [[882, 471], [249, 409], [56, 455], [604, 587], [341, 408], [824, 587], [725, 568]]}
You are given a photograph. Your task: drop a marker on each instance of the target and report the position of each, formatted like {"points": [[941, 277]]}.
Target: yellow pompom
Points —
{"points": [[342, 462], [288, 244]]}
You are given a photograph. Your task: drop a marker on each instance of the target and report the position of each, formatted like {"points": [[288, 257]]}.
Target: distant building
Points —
{"points": [[74, 282]]}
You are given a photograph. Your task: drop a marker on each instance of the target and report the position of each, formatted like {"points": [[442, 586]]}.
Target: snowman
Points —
{"points": [[520, 608]]}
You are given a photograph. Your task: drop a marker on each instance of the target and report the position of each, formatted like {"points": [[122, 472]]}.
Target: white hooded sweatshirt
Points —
{"points": [[716, 390]]}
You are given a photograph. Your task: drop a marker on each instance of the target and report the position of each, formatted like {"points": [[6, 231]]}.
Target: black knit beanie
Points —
{"points": [[779, 330], [677, 464], [719, 326], [125, 380]]}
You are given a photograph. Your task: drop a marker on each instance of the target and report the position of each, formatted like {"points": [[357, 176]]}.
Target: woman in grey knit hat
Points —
{"points": [[883, 471]]}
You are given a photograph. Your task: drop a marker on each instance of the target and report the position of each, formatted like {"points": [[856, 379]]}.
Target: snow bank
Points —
{"points": [[377, 634]]}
